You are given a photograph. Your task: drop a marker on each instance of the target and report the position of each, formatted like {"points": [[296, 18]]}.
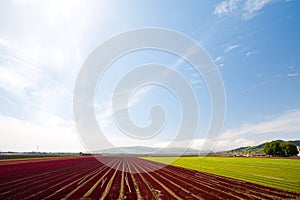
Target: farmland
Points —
{"points": [[14, 156], [277, 173], [87, 178]]}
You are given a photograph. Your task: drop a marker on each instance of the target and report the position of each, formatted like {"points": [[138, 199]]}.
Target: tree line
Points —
{"points": [[278, 148]]}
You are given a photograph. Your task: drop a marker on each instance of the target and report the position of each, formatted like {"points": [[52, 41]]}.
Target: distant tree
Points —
{"points": [[267, 149], [276, 148], [289, 149]]}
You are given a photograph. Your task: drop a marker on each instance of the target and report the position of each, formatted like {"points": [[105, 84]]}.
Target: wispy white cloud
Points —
{"points": [[195, 81], [25, 135], [18, 69], [224, 144], [226, 7], [5, 42], [293, 74], [216, 145], [274, 79], [247, 9], [253, 7], [219, 58], [249, 53], [288, 122], [230, 48], [36, 88], [250, 134]]}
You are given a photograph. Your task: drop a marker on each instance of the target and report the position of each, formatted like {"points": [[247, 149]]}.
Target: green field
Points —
{"points": [[277, 173]]}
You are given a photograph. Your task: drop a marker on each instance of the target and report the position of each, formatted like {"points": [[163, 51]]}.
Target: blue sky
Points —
{"points": [[254, 43]]}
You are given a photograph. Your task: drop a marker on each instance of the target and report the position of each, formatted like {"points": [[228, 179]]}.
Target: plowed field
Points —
{"points": [[87, 178]]}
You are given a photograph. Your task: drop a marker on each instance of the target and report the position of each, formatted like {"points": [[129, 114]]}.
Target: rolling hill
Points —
{"points": [[254, 149], [142, 150]]}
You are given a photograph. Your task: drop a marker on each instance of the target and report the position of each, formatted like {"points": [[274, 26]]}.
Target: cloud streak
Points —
{"points": [[230, 48], [288, 122], [24, 135], [246, 9], [249, 53], [253, 7], [17, 69], [226, 7], [249, 134], [293, 74]]}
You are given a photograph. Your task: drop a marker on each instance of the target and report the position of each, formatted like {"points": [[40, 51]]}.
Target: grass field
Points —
{"points": [[277, 173]]}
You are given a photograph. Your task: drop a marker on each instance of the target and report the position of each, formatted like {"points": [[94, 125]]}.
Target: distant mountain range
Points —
{"points": [[142, 150], [259, 149]]}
